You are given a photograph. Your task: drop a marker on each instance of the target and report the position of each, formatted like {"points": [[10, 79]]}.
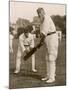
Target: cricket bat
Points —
{"points": [[33, 50]]}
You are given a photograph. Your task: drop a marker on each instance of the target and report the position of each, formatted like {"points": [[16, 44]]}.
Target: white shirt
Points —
{"points": [[26, 41], [47, 26]]}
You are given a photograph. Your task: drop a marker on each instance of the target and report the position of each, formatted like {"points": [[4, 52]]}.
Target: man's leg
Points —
{"points": [[18, 61], [52, 48], [33, 63], [52, 69], [52, 63], [47, 67], [52, 51]]}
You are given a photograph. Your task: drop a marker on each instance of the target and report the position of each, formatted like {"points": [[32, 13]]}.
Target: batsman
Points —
{"points": [[47, 29], [26, 43]]}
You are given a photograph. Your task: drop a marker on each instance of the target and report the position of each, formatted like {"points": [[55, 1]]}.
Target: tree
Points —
{"points": [[60, 21]]}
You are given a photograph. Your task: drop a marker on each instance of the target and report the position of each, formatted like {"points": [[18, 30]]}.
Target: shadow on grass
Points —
{"points": [[25, 73]]}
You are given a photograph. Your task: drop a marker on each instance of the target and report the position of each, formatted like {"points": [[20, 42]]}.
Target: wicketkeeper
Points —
{"points": [[26, 42]]}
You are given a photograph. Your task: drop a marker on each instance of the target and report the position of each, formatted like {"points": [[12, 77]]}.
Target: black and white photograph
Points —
{"points": [[37, 44]]}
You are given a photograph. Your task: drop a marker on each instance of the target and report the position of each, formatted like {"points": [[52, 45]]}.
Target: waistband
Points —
{"points": [[51, 33], [26, 45]]}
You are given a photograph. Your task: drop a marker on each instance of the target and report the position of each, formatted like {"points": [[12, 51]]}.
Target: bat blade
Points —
{"points": [[33, 50], [30, 53]]}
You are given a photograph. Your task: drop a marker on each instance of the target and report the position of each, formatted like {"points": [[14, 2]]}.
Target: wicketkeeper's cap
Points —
{"points": [[26, 29]]}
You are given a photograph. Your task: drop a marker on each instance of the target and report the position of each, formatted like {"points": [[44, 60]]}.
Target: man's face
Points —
{"points": [[41, 15], [26, 34]]}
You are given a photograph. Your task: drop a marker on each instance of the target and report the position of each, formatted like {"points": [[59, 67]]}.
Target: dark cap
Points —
{"points": [[26, 29]]}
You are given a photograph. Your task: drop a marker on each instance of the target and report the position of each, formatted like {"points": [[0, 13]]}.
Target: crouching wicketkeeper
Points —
{"points": [[26, 42]]}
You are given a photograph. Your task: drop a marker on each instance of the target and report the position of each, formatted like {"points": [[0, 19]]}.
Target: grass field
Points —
{"points": [[28, 79]]}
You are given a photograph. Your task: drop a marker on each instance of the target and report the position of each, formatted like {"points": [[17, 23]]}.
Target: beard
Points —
{"points": [[41, 19]]}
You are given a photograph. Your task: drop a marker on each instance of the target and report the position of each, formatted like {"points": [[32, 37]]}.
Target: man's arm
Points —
{"points": [[21, 44], [34, 49]]}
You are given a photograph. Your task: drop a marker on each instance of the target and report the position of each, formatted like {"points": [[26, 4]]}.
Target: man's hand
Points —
{"points": [[42, 36], [26, 51]]}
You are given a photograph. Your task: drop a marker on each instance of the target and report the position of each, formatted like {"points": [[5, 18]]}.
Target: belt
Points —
{"points": [[51, 33], [26, 45]]}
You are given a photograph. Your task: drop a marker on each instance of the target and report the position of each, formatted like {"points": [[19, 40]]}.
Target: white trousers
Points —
{"points": [[51, 54], [18, 59]]}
